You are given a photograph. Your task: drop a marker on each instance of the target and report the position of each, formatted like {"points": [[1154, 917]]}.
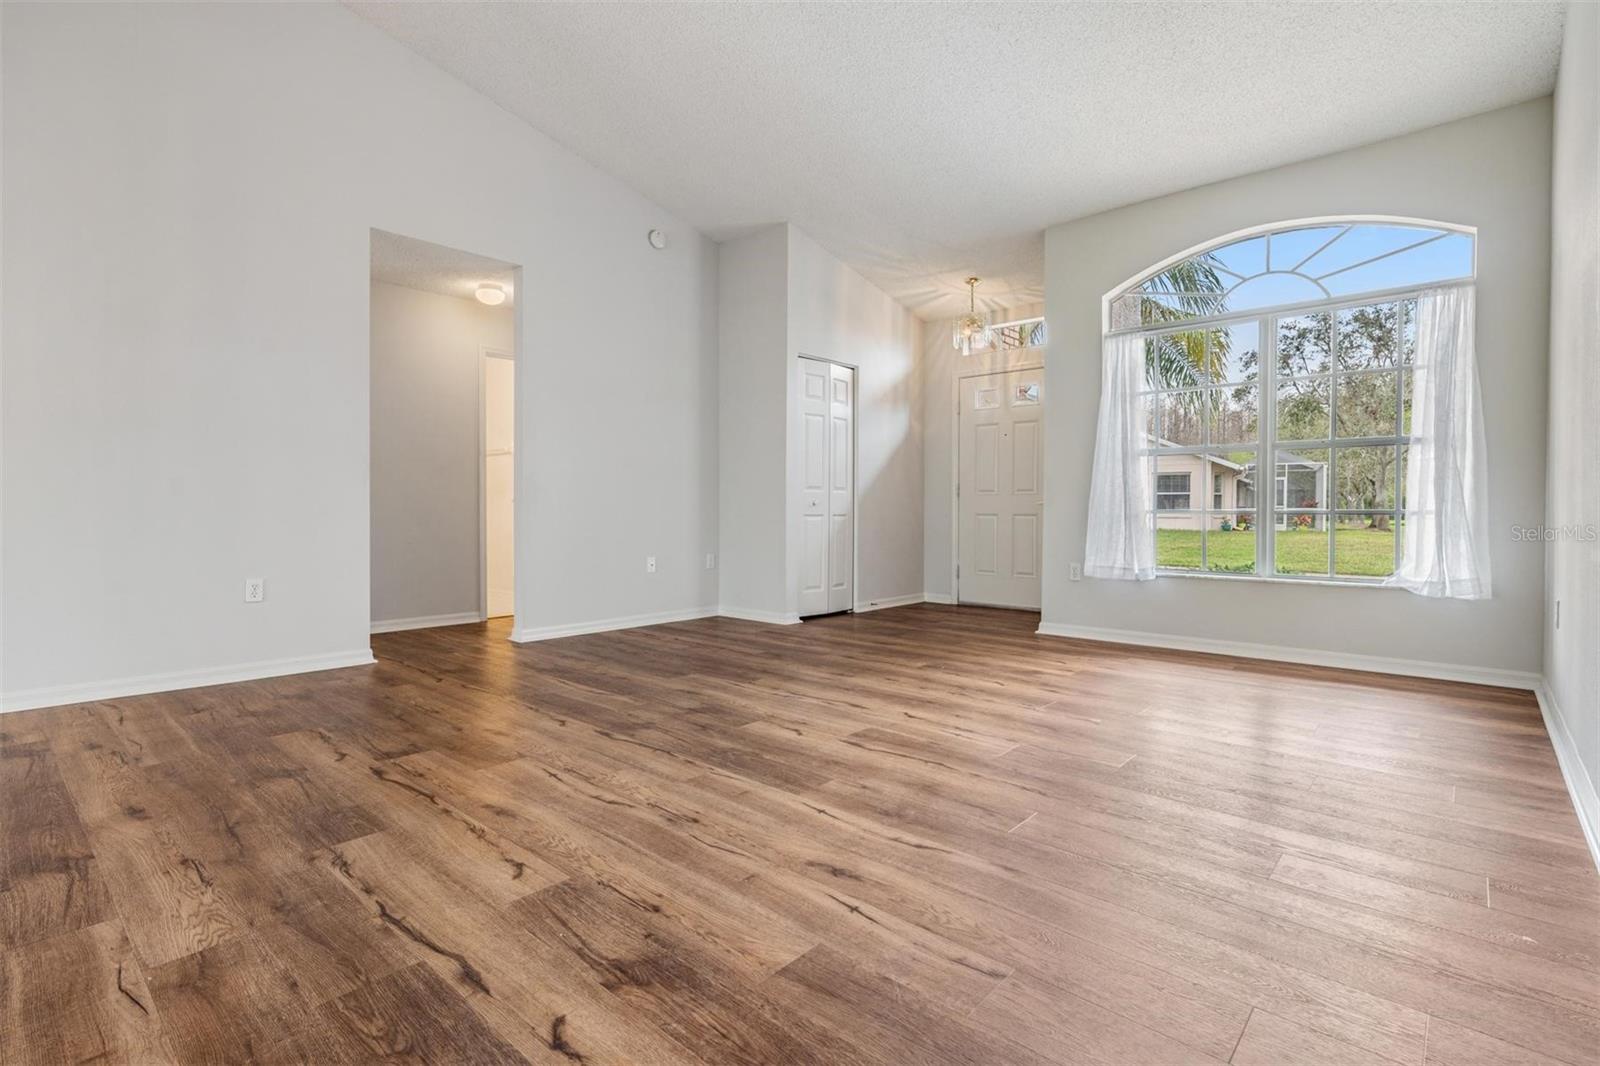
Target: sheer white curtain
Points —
{"points": [[1120, 544], [1445, 545]]}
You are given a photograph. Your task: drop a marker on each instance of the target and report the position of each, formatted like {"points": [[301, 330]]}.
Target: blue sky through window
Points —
{"points": [[1311, 263]]}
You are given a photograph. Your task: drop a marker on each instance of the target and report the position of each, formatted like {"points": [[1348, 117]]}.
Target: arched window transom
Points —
{"points": [[1294, 265]]}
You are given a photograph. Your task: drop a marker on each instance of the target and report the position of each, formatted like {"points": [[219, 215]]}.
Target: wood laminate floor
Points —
{"points": [[923, 835]]}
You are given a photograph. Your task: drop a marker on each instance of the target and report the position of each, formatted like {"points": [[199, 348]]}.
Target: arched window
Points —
{"points": [[1277, 393], [1293, 264]]}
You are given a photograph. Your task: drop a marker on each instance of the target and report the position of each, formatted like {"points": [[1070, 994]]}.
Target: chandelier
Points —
{"points": [[971, 332]]}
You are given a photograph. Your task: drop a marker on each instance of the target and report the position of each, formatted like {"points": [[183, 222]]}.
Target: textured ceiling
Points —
{"points": [[418, 264], [923, 142]]}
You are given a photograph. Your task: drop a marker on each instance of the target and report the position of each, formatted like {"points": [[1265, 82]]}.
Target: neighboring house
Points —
{"points": [[1192, 490]]}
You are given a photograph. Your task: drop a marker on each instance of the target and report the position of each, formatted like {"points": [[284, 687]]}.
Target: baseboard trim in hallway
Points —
{"points": [[530, 634], [771, 618], [431, 621], [889, 601]]}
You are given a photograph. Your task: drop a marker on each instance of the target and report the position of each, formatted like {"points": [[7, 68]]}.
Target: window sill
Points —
{"points": [[1282, 579]]}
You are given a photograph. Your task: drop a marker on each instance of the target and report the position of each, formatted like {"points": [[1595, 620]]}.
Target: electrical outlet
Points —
{"points": [[255, 589], [711, 561], [649, 564], [1074, 572]]}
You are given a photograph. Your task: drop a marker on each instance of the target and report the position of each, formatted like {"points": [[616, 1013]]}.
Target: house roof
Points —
{"points": [[1292, 458]]}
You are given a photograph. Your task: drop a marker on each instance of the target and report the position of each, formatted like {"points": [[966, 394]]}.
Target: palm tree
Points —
{"points": [[1186, 290]]}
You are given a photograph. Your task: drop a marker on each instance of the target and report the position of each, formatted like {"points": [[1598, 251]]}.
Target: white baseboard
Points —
{"points": [[887, 602], [938, 597], [1579, 784], [56, 696], [1306, 656], [771, 618], [530, 634], [396, 625]]}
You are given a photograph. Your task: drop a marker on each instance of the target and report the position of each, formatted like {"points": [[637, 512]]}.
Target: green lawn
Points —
{"points": [[1358, 552]]}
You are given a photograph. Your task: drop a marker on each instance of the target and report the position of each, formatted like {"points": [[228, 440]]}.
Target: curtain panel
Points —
{"points": [[1445, 540], [1119, 544]]}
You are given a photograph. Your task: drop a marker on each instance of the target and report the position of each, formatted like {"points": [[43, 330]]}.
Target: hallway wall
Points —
{"points": [[426, 450]]}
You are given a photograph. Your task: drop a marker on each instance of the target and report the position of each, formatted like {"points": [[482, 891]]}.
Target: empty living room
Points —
{"points": [[868, 534]]}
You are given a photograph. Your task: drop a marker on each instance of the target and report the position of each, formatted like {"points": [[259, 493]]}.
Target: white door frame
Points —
{"points": [[487, 352], [855, 467], [955, 468]]}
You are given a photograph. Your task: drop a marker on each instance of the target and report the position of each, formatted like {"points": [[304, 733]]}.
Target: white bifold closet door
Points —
{"points": [[827, 487]]}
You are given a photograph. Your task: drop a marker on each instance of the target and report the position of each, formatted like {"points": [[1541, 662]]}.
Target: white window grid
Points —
{"points": [[1267, 382]]}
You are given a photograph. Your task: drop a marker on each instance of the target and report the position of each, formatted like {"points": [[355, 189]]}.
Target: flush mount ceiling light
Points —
{"points": [[493, 295], [971, 332]]}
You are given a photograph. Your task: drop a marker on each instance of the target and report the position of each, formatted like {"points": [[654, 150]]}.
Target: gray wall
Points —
{"points": [[1572, 652], [753, 309], [185, 341], [1491, 171], [781, 296], [426, 449], [835, 313]]}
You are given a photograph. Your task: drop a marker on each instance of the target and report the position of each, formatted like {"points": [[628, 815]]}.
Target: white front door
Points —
{"points": [[827, 487], [1000, 505], [499, 477]]}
